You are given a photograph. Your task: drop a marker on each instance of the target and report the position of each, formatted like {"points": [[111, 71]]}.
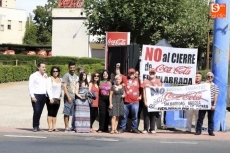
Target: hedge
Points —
{"points": [[53, 60], [22, 73]]}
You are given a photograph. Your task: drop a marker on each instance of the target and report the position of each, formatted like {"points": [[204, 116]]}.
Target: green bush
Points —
{"points": [[14, 73], [54, 60], [22, 73], [204, 72]]}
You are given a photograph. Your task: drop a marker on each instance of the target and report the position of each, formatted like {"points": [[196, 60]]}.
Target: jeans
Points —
{"points": [[133, 109], [200, 120], [38, 108]]}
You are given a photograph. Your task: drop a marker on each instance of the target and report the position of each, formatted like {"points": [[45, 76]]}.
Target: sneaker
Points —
{"points": [[35, 129], [121, 131], [197, 133], [187, 132], [38, 129], [153, 132], [135, 131], [144, 132], [211, 134], [67, 130]]}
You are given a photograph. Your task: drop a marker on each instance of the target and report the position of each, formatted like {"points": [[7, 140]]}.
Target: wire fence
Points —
{"points": [[16, 62]]}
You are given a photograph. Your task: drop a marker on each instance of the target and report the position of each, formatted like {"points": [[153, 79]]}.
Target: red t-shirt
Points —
{"points": [[131, 89], [96, 91], [157, 82]]}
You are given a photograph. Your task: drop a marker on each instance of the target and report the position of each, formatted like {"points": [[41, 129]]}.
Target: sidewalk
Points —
{"points": [[16, 116]]}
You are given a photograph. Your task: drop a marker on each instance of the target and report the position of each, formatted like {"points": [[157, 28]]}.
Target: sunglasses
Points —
{"points": [[210, 76], [55, 71], [96, 75]]}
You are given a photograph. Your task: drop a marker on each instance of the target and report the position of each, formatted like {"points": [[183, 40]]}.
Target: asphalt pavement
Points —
{"points": [[81, 144]]}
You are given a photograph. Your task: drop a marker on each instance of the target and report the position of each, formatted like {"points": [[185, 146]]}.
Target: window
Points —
{"points": [[2, 28], [20, 25], [9, 25]]}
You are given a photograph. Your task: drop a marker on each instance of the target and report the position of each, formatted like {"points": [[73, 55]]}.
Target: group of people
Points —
{"points": [[113, 98]]}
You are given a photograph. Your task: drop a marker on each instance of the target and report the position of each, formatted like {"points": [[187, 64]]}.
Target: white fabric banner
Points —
{"points": [[196, 97], [172, 65]]}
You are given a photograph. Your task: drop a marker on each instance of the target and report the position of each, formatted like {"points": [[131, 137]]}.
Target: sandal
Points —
{"points": [[112, 132], [92, 131], [50, 130], [116, 132], [55, 130]]}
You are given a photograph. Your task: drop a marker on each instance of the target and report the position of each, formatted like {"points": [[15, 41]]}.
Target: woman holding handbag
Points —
{"points": [[82, 105], [54, 91]]}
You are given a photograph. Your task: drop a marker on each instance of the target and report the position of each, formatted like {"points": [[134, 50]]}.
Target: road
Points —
{"points": [[48, 143]]}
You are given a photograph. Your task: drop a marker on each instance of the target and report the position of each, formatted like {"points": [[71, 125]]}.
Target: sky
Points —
{"points": [[29, 5]]}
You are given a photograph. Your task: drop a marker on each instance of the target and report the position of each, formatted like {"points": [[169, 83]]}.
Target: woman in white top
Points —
{"points": [[54, 91]]}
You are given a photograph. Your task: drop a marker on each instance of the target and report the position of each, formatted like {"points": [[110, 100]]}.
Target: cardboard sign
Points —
{"points": [[172, 65], [196, 97]]}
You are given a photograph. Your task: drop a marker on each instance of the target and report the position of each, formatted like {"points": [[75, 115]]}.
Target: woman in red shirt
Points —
{"points": [[94, 87]]}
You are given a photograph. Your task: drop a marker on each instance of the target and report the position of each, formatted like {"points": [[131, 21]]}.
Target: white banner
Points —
{"points": [[172, 65], [196, 97]]}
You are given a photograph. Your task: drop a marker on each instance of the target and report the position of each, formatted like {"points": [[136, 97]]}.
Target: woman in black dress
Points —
{"points": [[116, 106]]}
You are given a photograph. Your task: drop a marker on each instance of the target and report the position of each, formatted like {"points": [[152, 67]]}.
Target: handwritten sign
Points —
{"points": [[196, 97], [172, 65]]}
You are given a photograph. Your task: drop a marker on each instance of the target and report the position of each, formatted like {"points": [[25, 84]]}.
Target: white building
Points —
{"points": [[69, 35], [12, 24], [8, 3]]}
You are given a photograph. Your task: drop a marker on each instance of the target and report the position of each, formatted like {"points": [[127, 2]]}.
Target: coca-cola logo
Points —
{"points": [[163, 69], [118, 42], [191, 95], [185, 70]]}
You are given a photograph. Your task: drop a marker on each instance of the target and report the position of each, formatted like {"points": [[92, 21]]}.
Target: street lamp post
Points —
{"points": [[208, 36]]}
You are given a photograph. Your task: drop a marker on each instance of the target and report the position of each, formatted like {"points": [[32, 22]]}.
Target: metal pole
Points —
{"points": [[208, 37], [220, 54]]}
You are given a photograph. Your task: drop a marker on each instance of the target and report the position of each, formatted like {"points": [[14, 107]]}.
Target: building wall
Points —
{"points": [[8, 3], [69, 35], [12, 25], [98, 53]]}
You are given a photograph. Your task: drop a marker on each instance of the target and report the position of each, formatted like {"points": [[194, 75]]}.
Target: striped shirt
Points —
{"points": [[214, 90]]}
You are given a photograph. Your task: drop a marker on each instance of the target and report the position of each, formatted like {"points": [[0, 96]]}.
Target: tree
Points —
{"points": [[30, 37], [43, 21], [181, 22]]}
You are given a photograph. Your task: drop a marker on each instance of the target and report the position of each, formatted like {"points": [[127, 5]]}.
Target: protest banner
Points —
{"points": [[172, 65], [196, 97]]}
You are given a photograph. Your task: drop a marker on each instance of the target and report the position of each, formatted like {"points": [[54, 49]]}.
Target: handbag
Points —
{"points": [[90, 102], [56, 101]]}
